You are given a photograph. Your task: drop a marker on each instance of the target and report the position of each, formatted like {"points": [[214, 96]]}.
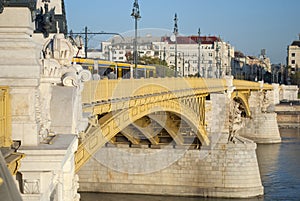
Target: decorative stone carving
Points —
{"points": [[76, 196], [235, 120], [59, 49], [265, 102], [31, 186], [57, 69], [57, 63]]}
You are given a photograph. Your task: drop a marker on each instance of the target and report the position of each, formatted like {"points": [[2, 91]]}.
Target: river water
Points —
{"points": [[279, 168]]}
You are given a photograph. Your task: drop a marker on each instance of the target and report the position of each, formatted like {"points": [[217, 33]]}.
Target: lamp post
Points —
{"points": [[199, 55], [136, 15], [175, 35], [217, 62]]}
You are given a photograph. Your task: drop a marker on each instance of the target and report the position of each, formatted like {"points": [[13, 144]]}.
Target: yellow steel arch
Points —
{"points": [[243, 97], [114, 122]]}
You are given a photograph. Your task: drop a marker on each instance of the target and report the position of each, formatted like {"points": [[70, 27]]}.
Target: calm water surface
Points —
{"points": [[279, 168]]}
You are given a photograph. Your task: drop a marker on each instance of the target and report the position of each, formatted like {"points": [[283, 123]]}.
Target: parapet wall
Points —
{"points": [[289, 93], [288, 115], [229, 170]]}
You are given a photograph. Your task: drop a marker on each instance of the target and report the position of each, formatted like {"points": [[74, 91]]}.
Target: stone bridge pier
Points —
{"points": [[225, 167], [261, 126]]}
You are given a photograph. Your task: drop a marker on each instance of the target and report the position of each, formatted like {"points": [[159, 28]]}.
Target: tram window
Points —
{"points": [[140, 73], [126, 73], [150, 73]]}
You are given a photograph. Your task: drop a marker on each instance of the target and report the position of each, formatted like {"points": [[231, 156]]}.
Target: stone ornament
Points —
{"points": [[57, 63], [31, 186], [60, 49]]}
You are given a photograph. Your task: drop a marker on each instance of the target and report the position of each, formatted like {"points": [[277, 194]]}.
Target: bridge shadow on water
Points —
{"points": [[129, 197]]}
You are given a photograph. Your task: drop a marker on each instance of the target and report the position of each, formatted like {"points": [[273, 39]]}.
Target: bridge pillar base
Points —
{"points": [[262, 128], [226, 170], [48, 172]]}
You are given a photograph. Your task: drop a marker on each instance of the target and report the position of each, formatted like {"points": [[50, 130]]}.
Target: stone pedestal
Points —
{"points": [[20, 70], [47, 171]]}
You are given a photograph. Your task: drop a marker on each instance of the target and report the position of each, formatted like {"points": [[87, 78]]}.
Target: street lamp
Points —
{"points": [[136, 15], [217, 62], [175, 35]]}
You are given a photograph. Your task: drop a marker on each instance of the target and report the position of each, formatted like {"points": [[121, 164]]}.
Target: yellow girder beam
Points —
{"points": [[170, 126]]}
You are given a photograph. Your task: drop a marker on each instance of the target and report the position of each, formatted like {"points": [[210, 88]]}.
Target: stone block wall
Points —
{"points": [[288, 115], [262, 128]]}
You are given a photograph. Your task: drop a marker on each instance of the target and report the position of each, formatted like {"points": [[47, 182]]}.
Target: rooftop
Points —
{"points": [[192, 39], [296, 43]]}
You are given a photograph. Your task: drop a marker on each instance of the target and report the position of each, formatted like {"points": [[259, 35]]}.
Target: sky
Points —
{"points": [[247, 25]]}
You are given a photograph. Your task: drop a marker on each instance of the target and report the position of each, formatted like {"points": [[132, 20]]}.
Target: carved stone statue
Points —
{"points": [[235, 120], [1, 6], [45, 20], [265, 102]]}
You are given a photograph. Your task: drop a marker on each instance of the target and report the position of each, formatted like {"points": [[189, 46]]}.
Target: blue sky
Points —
{"points": [[248, 25]]}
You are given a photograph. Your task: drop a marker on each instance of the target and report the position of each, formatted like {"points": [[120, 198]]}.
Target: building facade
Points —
{"points": [[251, 68], [293, 56], [213, 59], [214, 54]]}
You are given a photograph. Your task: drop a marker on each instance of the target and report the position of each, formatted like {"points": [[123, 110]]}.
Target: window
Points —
{"points": [[293, 61], [293, 54]]}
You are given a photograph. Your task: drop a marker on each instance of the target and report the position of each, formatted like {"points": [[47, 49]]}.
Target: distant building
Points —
{"points": [[279, 74], [251, 68], [215, 55], [293, 56]]}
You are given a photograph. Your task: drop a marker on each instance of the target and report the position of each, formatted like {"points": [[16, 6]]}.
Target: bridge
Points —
{"points": [[167, 136], [120, 108]]}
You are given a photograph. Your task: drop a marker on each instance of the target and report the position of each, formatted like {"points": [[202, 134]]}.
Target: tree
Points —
{"points": [[295, 78], [147, 60]]}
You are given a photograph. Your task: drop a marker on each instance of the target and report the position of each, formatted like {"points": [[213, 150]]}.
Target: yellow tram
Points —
{"points": [[121, 70]]}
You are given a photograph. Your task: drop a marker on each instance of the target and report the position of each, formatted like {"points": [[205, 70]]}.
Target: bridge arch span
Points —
{"points": [[114, 122], [242, 98]]}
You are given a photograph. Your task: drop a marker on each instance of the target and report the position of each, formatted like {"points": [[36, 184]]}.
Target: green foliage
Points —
{"points": [[152, 60], [164, 71], [295, 78]]}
